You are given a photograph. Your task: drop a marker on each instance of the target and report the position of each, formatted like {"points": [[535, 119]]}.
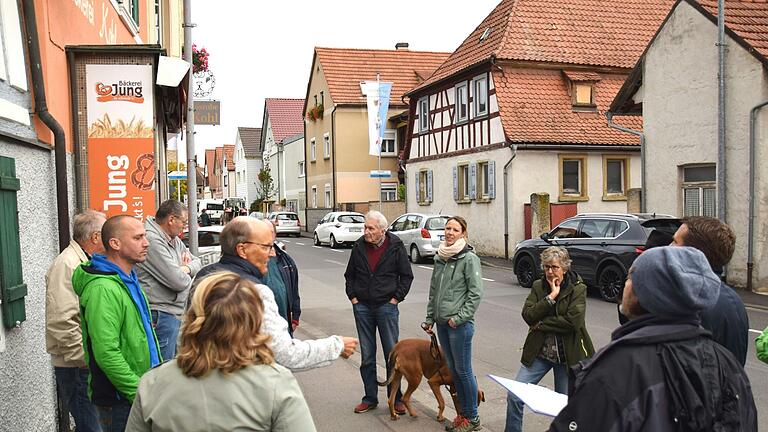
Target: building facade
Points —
{"points": [[282, 122], [248, 163]]}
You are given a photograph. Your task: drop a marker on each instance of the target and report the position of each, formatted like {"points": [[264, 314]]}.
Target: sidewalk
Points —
{"points": [[750, 299]]}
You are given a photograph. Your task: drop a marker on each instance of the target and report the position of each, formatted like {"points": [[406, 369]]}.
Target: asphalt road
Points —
{"points": [[333, 392]]}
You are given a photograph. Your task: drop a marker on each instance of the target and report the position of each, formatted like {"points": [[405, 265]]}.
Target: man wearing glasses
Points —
{"points": [[167, 273], [246, 247]]}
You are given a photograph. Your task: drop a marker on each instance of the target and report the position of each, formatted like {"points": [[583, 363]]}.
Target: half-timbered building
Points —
{"points": [[519, 108]]}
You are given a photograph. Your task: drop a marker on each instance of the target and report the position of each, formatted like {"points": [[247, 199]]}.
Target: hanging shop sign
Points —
{"points": [[207, 112], [121, 161]]}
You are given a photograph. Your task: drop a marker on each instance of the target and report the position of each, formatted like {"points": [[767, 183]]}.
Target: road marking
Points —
{"points": [[488, 280], [300, 244], [756, 331], [335, 262], [317, 247], [336, 250], [425, 267]]}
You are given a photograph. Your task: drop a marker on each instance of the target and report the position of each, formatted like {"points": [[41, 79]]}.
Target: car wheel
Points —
{"points": [[334, 243], [525, 271], [610, 282], [317, 240], [415, 255]]}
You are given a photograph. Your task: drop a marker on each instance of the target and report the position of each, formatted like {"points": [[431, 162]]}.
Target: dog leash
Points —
{"points": [[434, 351]]}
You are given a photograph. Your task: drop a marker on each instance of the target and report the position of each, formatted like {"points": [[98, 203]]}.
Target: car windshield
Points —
{"points": [[436, 223], [204, 239], [354, 219], [287, 216], [668, 225]]}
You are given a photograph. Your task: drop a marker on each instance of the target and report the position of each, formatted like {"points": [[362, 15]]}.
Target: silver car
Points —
{"points": [[421, 233]]}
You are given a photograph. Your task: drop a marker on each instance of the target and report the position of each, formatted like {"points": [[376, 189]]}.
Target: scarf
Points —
{"points": [[446, 251]]}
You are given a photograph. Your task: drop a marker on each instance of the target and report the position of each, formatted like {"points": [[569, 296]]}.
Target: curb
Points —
{"points": [[490, 264]]}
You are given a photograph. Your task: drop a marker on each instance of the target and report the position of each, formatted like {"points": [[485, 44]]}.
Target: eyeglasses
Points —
{"points": [[551, 267], [268, 247]]}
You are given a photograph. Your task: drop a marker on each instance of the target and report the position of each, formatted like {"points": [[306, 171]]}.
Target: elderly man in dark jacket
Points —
{"points": [[662, 371], [378, 277]]}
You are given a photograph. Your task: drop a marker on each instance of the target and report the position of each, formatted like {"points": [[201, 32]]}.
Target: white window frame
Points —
{"points": [[326, 145], [327, 195], [699, 187], [302, 171], [483, 182], [463, 87], [314, 196], [424, 114], [312, 149], [464, 182], [388, 191], [389, 135], [480, 96]]}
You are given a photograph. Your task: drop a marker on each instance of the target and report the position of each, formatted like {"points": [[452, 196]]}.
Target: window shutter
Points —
{"points": [[492, 179], [472, 181], [12, 287], [429, 185], [456, 183]]}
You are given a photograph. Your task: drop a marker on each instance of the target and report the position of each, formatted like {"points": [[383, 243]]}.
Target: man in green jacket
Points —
{"points": [[119, 342]]}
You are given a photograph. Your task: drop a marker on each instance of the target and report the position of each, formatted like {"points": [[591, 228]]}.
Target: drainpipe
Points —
{"points": [[512, 147], [334, 186], [721, 110], [41, 109], [750, 232], [609, 116]]}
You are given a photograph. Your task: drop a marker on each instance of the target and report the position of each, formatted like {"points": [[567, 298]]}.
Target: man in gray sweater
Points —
{"points": [[167, 273]]}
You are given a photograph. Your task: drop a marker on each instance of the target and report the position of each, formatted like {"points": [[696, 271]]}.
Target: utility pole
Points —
{"points": [[191, 155]]}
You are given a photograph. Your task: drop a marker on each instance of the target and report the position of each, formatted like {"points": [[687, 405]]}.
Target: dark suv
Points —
{"points": [[602, 248]]}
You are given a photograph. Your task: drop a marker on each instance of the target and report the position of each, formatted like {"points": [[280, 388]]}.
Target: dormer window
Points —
{"points": [[583, 94]]}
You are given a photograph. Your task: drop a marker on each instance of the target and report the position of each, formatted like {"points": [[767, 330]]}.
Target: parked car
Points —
{"points": [[285, 222], [337, 228], [421, 233], [208, 245], [602, 247]]}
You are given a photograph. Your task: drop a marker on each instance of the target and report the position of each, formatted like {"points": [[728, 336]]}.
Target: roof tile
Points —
{"points": [[535, 107], [344, 69], [229, 152], [285, 116], [748, 19]]}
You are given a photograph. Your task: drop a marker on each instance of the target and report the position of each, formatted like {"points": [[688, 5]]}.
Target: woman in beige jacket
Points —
{"points": [[224, 377]]}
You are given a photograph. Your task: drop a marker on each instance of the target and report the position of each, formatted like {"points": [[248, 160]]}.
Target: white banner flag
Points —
{"points": [[377, 98]]}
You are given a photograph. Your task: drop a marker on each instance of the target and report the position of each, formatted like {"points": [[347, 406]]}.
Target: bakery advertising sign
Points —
{"points": [[121, 156]]}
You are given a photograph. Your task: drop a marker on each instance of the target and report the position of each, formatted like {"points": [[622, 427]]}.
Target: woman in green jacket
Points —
{"points": [[454, 295], [224, 377], [557, 335], [761, 345]]}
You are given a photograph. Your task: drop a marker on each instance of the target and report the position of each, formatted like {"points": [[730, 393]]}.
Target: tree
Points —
{"points": [[265, 187], [172, 184]]}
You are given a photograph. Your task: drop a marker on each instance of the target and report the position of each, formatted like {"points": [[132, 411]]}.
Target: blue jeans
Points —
{"points": [[386, 318], [533, 375], [167, 331], [72, 387], [457, 348], [114, 418]]}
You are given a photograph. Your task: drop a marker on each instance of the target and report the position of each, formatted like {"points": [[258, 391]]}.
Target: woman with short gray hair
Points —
{"points": [[557, 336]]}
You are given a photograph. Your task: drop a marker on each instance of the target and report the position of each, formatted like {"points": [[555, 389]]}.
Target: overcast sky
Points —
{"points": [[264, 49]]}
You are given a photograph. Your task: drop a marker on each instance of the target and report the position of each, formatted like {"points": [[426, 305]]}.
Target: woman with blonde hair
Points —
{"points": [[224, 377]]}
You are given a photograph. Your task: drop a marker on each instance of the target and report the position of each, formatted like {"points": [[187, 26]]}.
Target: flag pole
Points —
{"points": [[378, 139]]}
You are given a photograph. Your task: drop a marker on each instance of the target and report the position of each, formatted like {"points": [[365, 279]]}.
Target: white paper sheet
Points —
{"points": [[539, 399]]}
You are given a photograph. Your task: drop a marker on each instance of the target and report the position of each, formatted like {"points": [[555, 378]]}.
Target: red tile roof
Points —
{"points": [[747, 18], [285, 116], [209, 161], [583, 32], [535, 107], [229, 151], [581, 76], [344, 69]]}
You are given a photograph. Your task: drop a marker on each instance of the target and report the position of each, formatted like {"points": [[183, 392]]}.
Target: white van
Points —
{"points": [[215, 208]]}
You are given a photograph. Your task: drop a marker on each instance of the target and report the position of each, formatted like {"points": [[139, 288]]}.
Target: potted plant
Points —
{"points": [[316, 113], [199, 59]]}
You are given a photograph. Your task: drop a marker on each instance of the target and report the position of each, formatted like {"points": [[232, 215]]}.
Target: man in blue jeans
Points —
{"points": [[378, 277], [63, 338], [166, 275]]}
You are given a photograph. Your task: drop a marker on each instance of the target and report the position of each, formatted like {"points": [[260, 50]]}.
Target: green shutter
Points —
{"points": [[12, 287]]}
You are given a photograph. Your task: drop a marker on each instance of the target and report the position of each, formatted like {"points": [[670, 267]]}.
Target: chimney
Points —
{"points": [[401, 46]]}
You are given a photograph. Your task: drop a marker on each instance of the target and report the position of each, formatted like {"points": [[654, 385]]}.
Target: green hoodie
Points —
{"points": [[114, 340], [456, 288]]}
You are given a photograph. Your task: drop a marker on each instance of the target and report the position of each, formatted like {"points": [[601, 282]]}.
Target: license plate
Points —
{"points": [[209, 258], [288, 223], [442, 237]]}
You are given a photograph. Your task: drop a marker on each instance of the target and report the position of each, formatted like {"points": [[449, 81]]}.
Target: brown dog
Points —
{"points": [[412, 359]]}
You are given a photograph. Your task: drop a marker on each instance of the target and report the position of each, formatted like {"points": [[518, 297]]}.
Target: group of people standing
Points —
{"points": [[139, 331]]}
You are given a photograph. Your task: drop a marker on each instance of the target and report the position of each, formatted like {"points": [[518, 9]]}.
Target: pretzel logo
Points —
{"points": [[144, 175]]}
